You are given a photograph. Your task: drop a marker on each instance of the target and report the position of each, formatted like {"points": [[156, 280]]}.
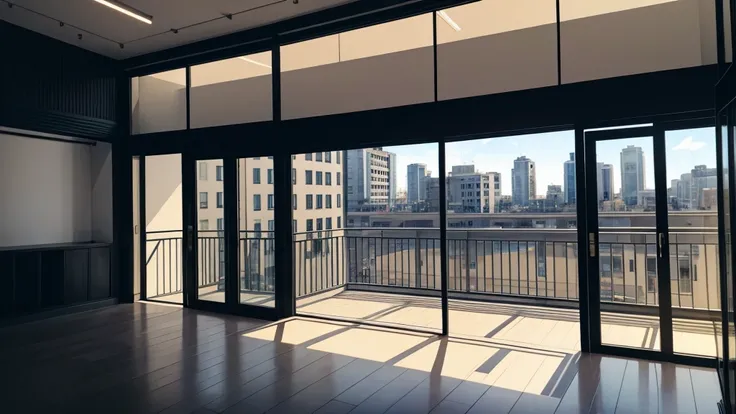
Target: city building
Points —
{"points": [[523, 181], [709, 199], [471, 191], [432, 203], [371, 179], [684, 191], [672, 191], [702, 178], [416, 187], [646, 199], [605, 182], [633, 176], [569, 179], [555, 194]]}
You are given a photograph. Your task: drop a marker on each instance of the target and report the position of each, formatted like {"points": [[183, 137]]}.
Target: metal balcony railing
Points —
{"points": [[533, 262]]}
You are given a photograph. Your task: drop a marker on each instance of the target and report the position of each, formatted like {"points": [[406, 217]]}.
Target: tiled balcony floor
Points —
{"points": [[522, 325]]}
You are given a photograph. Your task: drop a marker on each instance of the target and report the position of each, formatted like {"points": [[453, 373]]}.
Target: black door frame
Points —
{"points": [[190, 254], [593, 239], [590, 310]]}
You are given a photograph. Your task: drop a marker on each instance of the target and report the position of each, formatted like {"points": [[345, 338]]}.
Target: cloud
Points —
{"points": [[687, 144]]}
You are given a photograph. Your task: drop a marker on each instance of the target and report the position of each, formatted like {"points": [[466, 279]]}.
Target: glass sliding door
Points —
{"points": [[627, 240], [512, 237], [161, 227], [256, 231], [366, 236], [209, 239], [692, 210]]}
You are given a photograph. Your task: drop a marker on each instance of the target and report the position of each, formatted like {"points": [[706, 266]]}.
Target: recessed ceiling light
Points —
{"points": [[255, 62], [449, 20], [127, 10]]}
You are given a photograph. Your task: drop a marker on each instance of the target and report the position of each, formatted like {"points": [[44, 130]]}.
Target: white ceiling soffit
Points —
{"points": [[104, 29]]}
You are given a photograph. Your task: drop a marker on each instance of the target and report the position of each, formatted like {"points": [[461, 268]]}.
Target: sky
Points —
{"points": [[685, 149]]}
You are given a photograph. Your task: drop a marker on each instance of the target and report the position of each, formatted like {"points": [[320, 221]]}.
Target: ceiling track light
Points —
{"points": [[127, 10], [449, 20], [255, 62]]}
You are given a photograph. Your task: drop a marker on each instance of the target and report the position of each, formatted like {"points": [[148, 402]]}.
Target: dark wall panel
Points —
{"points": [[99, 275], [76, 272], [50, 86]]}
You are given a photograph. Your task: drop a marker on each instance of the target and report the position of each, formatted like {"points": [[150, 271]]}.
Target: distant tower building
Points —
{"points": [[605, 182], [632, 174], [416, 188], [523, 181], [569, 171]]}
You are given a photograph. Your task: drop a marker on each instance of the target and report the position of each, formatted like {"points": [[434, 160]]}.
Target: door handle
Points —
{"points": [[190, 238], [591, 244]]}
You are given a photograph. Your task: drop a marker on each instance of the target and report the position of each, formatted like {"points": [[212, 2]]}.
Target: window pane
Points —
{"points": [[232, 91], [164, 241], [496, 46], [256, 226], [318, 252], [511, 225], [210, 241], [381, 66], [256, 175], [159, 102], [602, 39], [692, 216]]}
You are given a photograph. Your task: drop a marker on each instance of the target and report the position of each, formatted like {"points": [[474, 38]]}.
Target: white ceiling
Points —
{"points": [[140, 38]]}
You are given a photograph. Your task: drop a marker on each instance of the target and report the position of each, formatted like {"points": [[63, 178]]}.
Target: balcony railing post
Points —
{"points": [[417, 261], [467, 262]]}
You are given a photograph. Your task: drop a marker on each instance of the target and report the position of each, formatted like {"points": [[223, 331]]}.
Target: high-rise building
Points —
{"points": [[432, 202], [569, 180], [416, 188], [470, 191], [672, 191], [371, 179], [523, 181], [605, 182], [633, 176], [702, 179]]}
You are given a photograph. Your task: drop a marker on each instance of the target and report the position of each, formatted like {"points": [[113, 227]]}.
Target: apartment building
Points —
{"points": [[471, 191], [317, 191], [371, 179]]}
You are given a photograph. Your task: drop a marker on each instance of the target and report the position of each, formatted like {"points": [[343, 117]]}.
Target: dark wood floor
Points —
{"points": [[150, 358]]}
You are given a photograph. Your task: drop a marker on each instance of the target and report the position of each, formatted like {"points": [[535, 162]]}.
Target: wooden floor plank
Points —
{"points": [[148, 358]]}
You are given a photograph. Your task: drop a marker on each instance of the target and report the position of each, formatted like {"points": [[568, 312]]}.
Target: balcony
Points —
{"points": [[517, 286]]}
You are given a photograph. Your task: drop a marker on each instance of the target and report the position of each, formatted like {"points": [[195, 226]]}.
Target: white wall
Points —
{"points": [[54, 192]]}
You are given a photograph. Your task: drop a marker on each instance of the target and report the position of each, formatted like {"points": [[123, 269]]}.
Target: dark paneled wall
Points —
{"points": [[50, 86]]}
